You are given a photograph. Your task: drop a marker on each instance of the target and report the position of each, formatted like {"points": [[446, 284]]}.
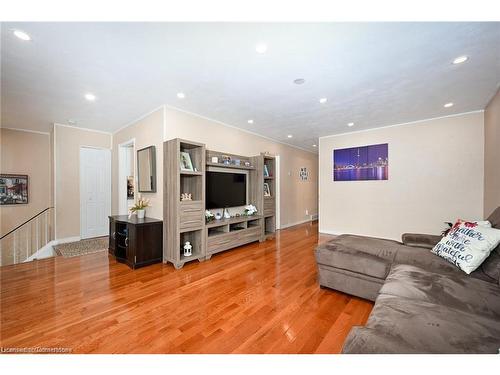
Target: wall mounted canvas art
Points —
{"points": [[13, 189], [361, 163], [304, 174]]}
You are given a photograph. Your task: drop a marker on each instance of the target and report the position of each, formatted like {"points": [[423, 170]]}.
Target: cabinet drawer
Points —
{"points": [[189, 207], [190, 215], [221, 242], [250, 234], [269, 206]]}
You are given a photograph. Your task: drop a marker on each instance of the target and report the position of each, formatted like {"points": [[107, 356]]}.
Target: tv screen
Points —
{"points": [[225, 190]]}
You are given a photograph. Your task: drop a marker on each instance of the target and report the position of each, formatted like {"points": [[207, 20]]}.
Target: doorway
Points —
{"points": [[95, 191], [126, 176]]}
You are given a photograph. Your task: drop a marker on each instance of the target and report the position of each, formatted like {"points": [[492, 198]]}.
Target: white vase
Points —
{"points": [[140, 214]]}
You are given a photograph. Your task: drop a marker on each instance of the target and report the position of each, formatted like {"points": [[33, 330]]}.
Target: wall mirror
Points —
{"points": [[146, 169]]}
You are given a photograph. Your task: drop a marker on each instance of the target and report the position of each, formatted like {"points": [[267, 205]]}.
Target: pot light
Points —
{"points": [[350, 124], [290, 136], [181, 95], [250, 121], [90, 97], [22, 35], [323, 100], [261, 48], [460, 59], [448, 105]]}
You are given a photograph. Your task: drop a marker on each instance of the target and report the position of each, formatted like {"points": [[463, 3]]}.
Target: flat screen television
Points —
{"points": [[225, 189]]}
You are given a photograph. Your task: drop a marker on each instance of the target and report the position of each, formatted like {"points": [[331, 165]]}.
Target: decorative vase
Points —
{"points": [[140, 214]]}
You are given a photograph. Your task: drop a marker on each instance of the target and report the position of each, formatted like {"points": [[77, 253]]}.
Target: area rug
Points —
{"points": [[75, 249]]}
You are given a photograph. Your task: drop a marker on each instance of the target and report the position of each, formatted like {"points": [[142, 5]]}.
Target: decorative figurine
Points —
{"points": [[186, 197], [226, 214], [188, 249]]}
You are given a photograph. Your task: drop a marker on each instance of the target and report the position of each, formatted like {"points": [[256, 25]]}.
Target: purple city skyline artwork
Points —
{"points": [[361, 163]]}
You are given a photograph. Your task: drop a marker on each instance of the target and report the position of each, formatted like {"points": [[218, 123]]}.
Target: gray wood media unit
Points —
{"points": [[185, 220]]}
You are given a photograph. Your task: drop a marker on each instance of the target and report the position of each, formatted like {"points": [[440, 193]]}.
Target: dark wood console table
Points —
{"points": [[136, 242]]}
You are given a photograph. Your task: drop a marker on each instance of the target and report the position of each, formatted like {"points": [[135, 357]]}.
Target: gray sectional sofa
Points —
{"points": [[423, 304]]}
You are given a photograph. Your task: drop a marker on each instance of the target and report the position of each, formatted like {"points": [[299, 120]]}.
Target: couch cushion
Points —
{"points": [[491, 266], [364, 340], [494, 218], [425, 327], [454, 290], [365, 255]]}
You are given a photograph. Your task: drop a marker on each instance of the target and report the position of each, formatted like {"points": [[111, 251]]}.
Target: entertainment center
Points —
{"points": [[233, 180]]}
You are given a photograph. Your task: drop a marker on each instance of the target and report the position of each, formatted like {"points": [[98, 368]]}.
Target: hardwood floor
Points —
{"points": [[260, 298]]}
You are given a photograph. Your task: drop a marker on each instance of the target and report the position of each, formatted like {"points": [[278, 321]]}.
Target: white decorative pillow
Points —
{"points": [[467, 245]]}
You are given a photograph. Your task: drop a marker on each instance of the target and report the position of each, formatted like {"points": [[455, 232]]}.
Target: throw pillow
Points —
{"points": [[467, 245]]}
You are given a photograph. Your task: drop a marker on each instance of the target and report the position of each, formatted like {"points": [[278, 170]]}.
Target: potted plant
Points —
{"points": [[140, 207]]}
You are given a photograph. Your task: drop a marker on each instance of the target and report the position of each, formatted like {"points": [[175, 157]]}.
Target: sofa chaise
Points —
{"points": [[423, 304]]}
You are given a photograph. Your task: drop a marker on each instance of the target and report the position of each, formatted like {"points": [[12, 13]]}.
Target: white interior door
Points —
{"points": [[95, 191]]}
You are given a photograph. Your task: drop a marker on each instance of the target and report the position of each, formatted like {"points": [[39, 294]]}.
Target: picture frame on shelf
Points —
{"points": [[185, 162], [267, 190]]}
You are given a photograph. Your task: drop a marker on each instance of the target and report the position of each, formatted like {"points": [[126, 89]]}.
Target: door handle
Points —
{"points": [[126, 241], [114, 235]]}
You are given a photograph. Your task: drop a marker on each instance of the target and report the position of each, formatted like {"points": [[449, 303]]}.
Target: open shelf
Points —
{"points": [[216, 231], [195, 238], [191, 173], [192, 183], [232, 166]]}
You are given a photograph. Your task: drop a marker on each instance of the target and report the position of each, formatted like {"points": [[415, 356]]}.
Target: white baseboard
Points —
{"points": [[45, 252], [48, 250], [331, 232], [296, 223], [66, 240]]}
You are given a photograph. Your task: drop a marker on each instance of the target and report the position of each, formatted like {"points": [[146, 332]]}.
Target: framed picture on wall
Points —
{"points": [[13, 189], [361, 163]]}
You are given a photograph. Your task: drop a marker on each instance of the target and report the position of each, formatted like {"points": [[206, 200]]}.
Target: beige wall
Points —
{"points": [[28, 153], [296, 196], [435, 175], [492, 155], [147, 132], [68, 141]]}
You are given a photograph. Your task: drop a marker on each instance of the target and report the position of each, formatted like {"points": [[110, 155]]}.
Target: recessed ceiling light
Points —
{"points": [[250, 121], [460, 59], [315, 145], [90, 97], [181, 95], [323, 100], [22, 35], [350, 124], [299, 81], [448, 105], [261, 48], [289, 136]]}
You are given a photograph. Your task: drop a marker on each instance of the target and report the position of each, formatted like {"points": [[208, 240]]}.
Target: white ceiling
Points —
{"points": [[373, 74]]}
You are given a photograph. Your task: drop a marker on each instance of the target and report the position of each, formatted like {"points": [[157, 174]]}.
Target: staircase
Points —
{"points": [[29, 240]]}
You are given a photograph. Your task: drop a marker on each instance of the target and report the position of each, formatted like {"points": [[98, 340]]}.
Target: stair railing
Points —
{"points": [[19, 244]]}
